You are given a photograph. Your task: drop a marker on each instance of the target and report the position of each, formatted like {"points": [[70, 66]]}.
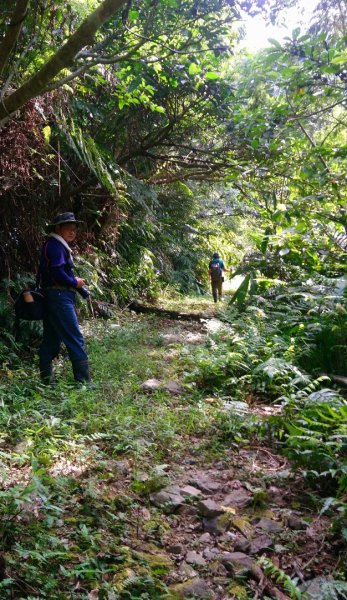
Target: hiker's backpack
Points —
{"points": [[215, 270]]}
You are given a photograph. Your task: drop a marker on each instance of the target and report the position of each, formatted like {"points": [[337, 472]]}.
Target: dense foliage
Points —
{"points": [[148, 122]]}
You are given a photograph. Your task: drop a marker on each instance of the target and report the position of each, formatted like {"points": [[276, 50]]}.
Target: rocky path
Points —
{"points": [[237, 527]]}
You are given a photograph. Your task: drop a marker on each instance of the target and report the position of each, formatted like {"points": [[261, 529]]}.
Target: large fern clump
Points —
{"points": [[288, 347]]}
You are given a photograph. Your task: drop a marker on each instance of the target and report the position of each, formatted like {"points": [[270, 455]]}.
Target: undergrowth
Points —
{"points": [[285, 347], [66, 516]]}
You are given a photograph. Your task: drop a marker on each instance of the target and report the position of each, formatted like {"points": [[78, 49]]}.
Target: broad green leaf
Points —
{"points": [[241, 292], [340, 59], [211, 75], [47, 133], [133, 14], [265, 240], [194, 69], [275, 43]]}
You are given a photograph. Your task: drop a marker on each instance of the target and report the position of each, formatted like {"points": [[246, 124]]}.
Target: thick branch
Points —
{"points": [[198, 176], [62, 59], [13, 31], [156, 138], [312, 144], [93, 63], [317, 112], [307, 135]]}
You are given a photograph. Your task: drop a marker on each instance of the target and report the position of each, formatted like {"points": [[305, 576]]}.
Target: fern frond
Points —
{"points": [[289, 584]]}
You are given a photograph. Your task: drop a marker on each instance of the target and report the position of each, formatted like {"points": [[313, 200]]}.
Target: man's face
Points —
{"points": [[67, 231]]}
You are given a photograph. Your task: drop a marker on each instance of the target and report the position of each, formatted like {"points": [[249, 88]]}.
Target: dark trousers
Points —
{"points": [[217, 285], [60, 325]]}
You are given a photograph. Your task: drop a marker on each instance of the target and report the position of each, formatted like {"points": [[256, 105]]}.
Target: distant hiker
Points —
{"points": [[216, 268], [60, 285]]}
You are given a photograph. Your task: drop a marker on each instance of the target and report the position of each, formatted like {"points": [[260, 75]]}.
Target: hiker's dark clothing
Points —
{"points": [[217, 260], [217, 289], [56, 266], [60, 322], [216, 278], [60, 325]]}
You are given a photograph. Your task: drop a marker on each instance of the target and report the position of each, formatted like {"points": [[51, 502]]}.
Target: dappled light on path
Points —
{"points": [[159, 476]]}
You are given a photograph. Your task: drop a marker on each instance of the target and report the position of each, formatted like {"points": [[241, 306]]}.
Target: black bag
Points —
{"points": [[30, 311]]}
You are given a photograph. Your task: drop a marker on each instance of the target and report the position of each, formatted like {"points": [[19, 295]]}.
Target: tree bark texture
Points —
{"points": [[62, 59], [166, 313], [13, 31]]}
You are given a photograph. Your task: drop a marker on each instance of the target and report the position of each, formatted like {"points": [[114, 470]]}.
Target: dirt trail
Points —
{"points": [[218, 516], [153, 488]]}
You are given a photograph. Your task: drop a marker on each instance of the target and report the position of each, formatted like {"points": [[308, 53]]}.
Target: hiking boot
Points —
{"points": [[81, 373], [46, 373]]}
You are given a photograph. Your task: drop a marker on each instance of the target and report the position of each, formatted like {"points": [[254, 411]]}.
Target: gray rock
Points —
{"points": [[209, 508], [205, 483], [294, 522], [236, 563], [167, 500], [194, 338], [260, 543], [151, 385], [188, 491], [194, 558], [211, 525], [173, 388], [194, 588], [242, 545], [274, 491], [218, 571], [117, 467], [321, 588], [121, 467], [238, 498], [142, 476], [277, 496], [171, 338], [205, 538], [186, 571], [187, 510], [173, 488], [280, 549], [229, 537], [236, 407], [267, 525], [176, 549], [285, 474], [22, 447], [210, 553]]}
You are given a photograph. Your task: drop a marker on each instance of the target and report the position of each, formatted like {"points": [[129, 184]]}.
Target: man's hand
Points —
{"points": [[80, 282]]}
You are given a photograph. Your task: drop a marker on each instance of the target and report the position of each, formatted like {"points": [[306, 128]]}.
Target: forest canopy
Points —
{"points": [[106, 106]]}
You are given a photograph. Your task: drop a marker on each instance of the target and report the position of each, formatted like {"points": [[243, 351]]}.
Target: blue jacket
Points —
{"points": [[56, 266]]}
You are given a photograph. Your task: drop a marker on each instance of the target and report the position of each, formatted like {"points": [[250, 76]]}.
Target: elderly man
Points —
{"points": [[60, 285]]}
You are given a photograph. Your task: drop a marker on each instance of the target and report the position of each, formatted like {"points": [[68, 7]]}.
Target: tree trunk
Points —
{"points": [[63, 58], [13, 31], [166, 313]]}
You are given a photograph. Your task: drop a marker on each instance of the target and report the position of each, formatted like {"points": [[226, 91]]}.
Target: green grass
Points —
{"points": [[66, 514]]}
